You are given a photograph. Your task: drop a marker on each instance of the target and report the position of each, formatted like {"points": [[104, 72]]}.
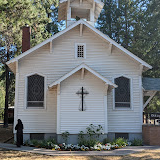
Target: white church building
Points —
{"points": [[79, 77]]}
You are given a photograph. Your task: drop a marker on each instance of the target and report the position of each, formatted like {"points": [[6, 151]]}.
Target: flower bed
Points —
{"points": [[50, 144], [89, 143]]}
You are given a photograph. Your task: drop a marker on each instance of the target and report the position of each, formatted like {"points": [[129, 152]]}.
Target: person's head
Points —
{"points": [[19, 121]]}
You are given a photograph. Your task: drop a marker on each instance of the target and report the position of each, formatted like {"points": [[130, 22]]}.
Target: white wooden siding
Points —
{"points": [[72, 119], [60, 62]]}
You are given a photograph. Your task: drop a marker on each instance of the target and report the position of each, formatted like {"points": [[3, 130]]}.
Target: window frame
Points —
{"points": [[76, 47], [26, 91], [131, 94]]}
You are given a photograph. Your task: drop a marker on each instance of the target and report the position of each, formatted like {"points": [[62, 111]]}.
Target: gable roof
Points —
{"points": [[93, 29], [151, 84], [83, 65]]}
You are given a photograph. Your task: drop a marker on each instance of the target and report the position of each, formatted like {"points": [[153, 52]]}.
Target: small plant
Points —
{"points": [[81, 136], [34, 142], [65, 136], [93, 130], [120, 142], [137, 142]]}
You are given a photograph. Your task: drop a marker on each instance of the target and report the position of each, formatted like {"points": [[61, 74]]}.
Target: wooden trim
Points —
{"points": [[141, 99], [149, 99], [77, 69], [82, 74], [45, 92], [94, 4], [16, 96], [93, 29], [58, 108], [91, 15], [110, 48], [81, 30], [97, 1], [76, 45], [105, 115], [81, 6], [105, 109], [131, 93], [51, 47], [68, 6]]}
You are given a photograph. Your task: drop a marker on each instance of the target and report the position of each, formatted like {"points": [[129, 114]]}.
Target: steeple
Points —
{"points": [[72, 10]]}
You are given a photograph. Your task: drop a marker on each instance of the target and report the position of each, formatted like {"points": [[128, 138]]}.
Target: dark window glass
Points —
{"points": [[37, 136], [121, 135], [35, 93], [80, 51], [122, 92]]}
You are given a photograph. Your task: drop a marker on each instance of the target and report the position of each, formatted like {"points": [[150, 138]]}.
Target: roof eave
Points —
{"points": [[77, 69], [146, 65]]}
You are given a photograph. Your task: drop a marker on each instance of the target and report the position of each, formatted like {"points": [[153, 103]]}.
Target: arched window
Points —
{"points": [[122, 92], [35, 91]]}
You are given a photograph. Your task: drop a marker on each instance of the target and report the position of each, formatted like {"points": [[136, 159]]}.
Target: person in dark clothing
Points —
{"points": [[19, 135]]}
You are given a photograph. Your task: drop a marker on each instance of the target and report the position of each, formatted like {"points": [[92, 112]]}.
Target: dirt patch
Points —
{"points": [[17, 155], [6, 133]]}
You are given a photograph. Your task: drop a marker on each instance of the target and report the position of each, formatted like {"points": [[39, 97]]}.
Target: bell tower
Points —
{"points": [[73, 10]]}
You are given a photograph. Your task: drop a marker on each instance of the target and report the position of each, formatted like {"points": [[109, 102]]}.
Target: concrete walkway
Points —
{"points": [[118, 152]]}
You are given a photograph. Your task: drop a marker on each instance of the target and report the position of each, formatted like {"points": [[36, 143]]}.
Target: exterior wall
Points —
{"points": [[151, 135], [62, 60], [72, 119]]}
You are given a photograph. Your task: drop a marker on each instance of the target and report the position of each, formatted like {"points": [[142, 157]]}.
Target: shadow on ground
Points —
{"points": [[6, 133]]}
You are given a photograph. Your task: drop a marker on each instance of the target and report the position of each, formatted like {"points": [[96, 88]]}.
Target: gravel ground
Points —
{"points": [[6, 133], [18, 155]]}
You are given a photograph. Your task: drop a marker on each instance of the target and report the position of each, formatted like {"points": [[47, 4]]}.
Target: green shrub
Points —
{"points": [[137, 142], [41, 143], [34, 142], [65, 136], [93, 130], [120, 142]]}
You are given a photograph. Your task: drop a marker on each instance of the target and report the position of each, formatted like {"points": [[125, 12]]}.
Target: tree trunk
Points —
{"points": [[6, 95], [126, 27]]}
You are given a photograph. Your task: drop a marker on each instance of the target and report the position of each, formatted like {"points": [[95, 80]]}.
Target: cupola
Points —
{"points": [[72, 10]]}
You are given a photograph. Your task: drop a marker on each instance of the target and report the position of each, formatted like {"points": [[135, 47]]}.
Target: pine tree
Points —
{"points": [[14, 15], [118, 19]]}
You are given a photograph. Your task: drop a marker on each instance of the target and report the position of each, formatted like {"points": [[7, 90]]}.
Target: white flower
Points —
{"points": [[108, 144], [108, 147]]}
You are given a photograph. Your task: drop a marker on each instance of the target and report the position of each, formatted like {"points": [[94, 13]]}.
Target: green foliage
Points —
{"points": [[65, 136], [135, 25], [88, 142], [81, 136], [15, 14], [34, 142], [93, 130], [120, 141], [93, 133], [2, 96], [41, 143], [137, 142], [118, 19]]}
